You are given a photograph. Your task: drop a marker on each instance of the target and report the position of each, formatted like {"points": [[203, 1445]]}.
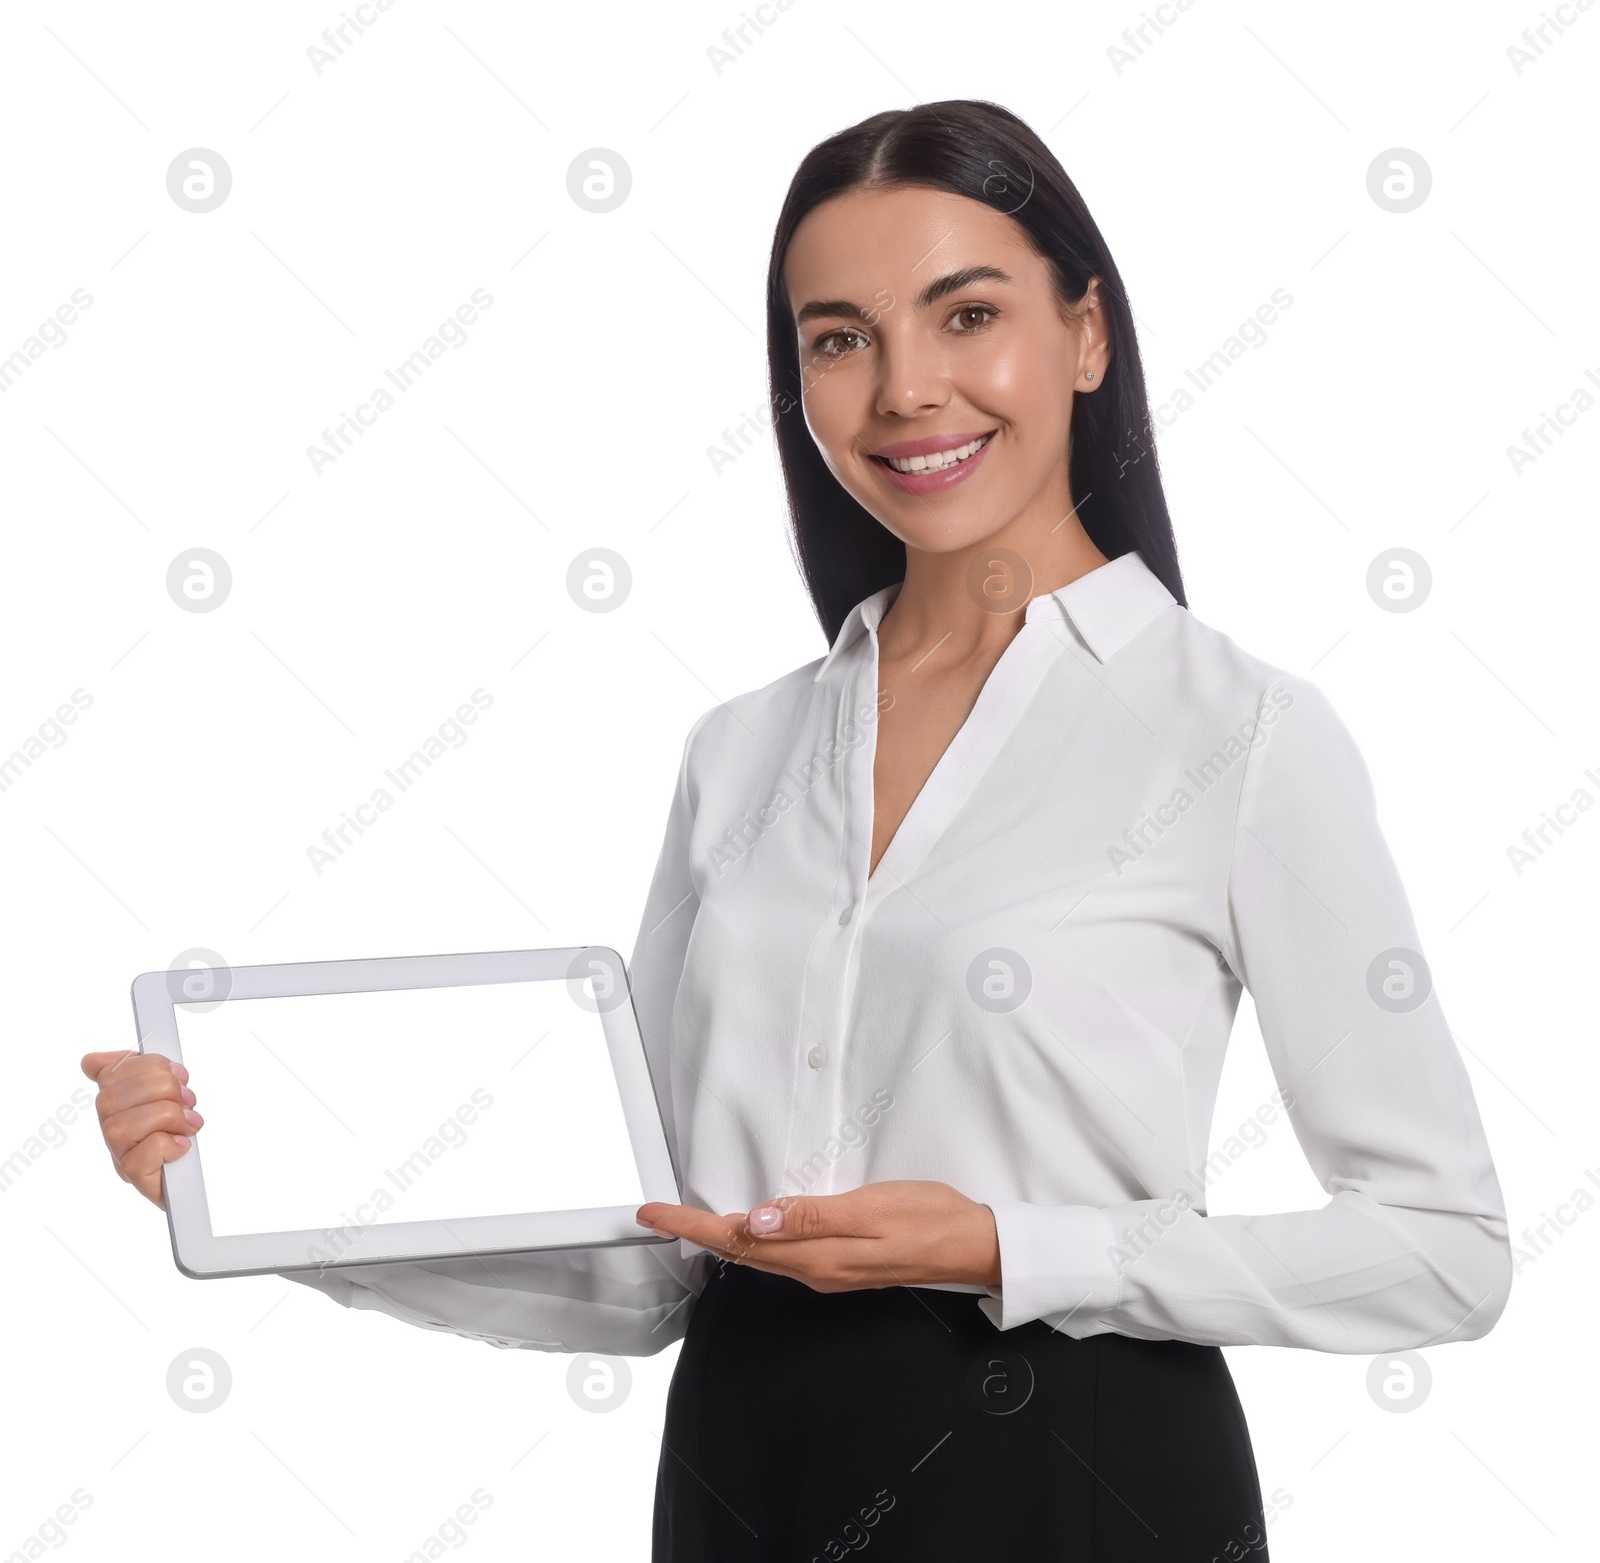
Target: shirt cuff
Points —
{"points": [[1054, 1260]]}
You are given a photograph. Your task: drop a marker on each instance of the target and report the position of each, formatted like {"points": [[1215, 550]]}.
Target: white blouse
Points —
{"points": [[1030, 999]]}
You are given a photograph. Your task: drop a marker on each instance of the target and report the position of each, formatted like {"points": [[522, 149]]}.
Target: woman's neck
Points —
{"points": [[970, 602]]}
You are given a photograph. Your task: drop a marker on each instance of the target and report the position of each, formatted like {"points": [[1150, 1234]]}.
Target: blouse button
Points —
{"points": [[817, 1057], [844, 916]]}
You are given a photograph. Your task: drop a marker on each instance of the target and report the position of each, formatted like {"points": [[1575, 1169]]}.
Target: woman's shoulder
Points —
{"points": [[1213, 668], [751, 721], [1287, 712], [1194, 681]]}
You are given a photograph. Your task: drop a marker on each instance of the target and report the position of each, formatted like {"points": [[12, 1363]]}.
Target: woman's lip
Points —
{"points": [[944, 478], [929, 444]]}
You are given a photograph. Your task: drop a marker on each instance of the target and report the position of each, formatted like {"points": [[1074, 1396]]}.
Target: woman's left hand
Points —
{"points": [[885, 1234]]}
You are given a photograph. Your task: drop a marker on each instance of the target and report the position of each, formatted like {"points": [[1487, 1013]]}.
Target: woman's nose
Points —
{"points": [[911, 376]]}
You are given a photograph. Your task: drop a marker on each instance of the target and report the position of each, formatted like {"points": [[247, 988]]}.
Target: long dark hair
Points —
{"points": [[985, 152]]}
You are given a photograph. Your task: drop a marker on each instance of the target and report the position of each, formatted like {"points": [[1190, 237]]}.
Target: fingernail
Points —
{"points": [[192, 1118], [766, 1218], [181, 1139], [644, 1221], [179, 1071], [187, 1096]]}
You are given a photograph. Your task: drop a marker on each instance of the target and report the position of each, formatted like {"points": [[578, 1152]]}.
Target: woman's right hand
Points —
{"points": [[146, 1114]]}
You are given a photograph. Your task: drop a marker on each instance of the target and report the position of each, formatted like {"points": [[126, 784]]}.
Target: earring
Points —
{"points": [[1088, 374]]}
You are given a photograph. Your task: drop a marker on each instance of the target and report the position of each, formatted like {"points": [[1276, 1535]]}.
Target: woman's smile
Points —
{"points": [[934, 463]]}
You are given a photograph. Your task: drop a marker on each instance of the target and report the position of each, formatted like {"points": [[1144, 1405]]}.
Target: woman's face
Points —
{"points": [[931, 339]]}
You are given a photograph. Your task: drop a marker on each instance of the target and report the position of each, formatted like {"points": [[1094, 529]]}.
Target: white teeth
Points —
{"points": [[939, 460]]}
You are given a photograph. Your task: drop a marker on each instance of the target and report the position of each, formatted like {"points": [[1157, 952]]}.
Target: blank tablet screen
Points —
{"points": [[357, 1109]]}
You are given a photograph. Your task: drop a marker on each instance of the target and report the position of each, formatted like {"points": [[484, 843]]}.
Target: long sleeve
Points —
{"points": [[1411, 1248], [629, 1301]]}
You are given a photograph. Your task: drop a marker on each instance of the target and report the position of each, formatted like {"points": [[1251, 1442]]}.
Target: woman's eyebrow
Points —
{"points": [[956, 281], [940, 287], [831, 308]]}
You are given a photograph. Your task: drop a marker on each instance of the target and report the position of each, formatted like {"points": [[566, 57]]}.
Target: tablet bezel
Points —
{"points": [[204, 1255]]}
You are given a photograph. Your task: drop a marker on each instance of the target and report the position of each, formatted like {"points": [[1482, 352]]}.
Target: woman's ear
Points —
{"points": [[1093, 323]]}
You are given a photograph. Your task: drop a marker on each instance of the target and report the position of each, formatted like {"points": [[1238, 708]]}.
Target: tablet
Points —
{"points": [[422, 1107]]}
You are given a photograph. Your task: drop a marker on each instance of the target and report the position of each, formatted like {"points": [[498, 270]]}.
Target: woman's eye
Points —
{"points": [[972, 317], [837, 343]]}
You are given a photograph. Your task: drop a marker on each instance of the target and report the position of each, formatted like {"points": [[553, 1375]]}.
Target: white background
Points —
{"points": [[430, 561]]}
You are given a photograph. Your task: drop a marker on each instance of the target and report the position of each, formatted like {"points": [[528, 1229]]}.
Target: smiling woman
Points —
{"points": [[990, 1327], [978, 514], [983, 260]]}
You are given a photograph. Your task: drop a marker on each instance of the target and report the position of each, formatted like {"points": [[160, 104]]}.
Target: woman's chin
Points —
{"points": [[961, 536]]}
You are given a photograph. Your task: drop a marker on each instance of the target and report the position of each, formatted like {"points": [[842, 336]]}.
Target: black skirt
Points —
{"points": [[805, 1426]]}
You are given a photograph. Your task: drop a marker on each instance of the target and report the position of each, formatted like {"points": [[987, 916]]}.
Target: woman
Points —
{"points": [[946, 940]]}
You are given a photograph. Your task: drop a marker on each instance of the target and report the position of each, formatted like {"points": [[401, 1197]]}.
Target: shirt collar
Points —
{"points": [[1107, 607], [867, 614]]}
